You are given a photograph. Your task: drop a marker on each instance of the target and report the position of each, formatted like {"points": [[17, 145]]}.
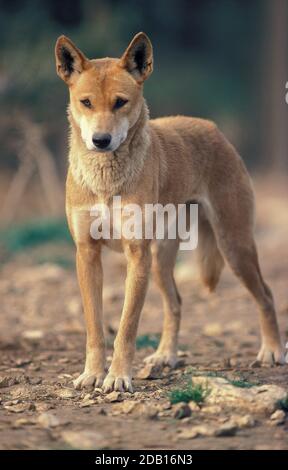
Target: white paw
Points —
{"points": [[269, 357], [163, 359], [88, 379], [117, 383]]}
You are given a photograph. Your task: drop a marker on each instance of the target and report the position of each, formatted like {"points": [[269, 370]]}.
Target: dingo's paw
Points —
{"points": [[269, 356], [117, 383], [163, 359], [89, 379]]}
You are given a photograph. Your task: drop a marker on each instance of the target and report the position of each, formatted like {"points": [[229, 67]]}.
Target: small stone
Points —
{"points": [[11, 402], [64, 360], [193, 406], [213, 329], [195, 431], [138, 409], [100, 400], [149, 411], [20, 391], [241, 422], [181, 410], [22, 379], [126, 407], [85, 440], [186, 420], [33, 335], [41, 406], [7, 381], [65, 376], [226, 429], [113, 397], [211, 409], [150, 371], [19, 408], [278, 417], [35, 380], [66, 393], [23, 422], [21, 362], [167, 405], [261, 399], [205, 430], [278, 414], [182, 353], [48, 420], [87, 403], [188, 434], [234, 362]]}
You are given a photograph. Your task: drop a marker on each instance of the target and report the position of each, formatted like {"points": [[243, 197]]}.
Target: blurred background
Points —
{"points": [[224, 60]]}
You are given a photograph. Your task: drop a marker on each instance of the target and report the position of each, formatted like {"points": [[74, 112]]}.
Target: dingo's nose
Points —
{"points": [[101, 141]]}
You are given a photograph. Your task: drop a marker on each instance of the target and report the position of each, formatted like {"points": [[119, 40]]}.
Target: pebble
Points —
{"points": [[278, 417], [19, 408], [48, 420], [66, 393], [85, 440], [181, 410], [150, 371], [113, 397], [8, 381]]}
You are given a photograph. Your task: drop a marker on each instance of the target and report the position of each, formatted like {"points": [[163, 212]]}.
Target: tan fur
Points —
{"points": [[167, 160], [209, 257]]}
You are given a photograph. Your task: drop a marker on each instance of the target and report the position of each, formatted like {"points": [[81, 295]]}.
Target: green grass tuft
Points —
{"points": [[35, 233], [147, 341], [237, 382], [192, 372], [241, 383], [283, 404], [191, 392]]}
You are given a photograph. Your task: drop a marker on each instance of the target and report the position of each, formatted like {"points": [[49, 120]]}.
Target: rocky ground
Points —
{"points": [[42, 340]]}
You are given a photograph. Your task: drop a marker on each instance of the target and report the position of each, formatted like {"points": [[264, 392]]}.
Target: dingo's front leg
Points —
{"points": [[90, 278], [139, 260]]}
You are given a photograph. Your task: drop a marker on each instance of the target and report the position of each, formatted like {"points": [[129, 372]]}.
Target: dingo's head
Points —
{"points": [[105, 94]]}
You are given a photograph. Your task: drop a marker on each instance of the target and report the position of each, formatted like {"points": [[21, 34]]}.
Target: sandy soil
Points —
{"points": [[42, 341]]}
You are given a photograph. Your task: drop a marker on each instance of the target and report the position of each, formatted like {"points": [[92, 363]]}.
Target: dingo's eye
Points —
{"points": [[86, 103], [119, 103]]}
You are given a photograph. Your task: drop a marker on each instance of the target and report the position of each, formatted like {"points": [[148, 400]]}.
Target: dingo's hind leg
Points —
{"points": [[232, 220], [164, 254]]}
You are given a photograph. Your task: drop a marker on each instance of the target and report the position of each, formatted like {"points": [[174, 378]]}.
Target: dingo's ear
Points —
{"points": [[138, 57], [70, 61]]}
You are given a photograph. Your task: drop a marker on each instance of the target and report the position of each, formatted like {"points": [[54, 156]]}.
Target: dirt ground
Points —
{"points": [[42, 341]]}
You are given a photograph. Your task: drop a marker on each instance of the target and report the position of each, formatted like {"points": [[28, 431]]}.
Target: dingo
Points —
{"points": [[116, 150]]}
